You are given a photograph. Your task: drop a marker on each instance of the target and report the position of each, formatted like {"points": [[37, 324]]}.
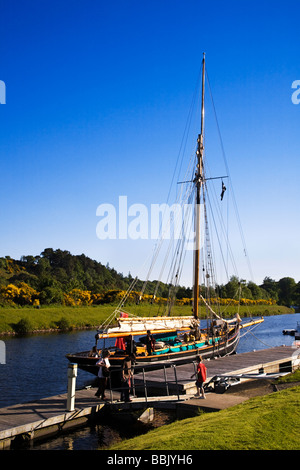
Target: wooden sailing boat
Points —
{"points": [[178, 339]]}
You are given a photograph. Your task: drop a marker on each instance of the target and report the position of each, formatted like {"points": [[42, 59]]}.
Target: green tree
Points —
{"points": [[51, 295], [256, 291], [296, 299], [287, 288], [271, 287], [231, 289]]}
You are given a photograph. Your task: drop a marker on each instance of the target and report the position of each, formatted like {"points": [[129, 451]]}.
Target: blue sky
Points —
{"points": [[97, 98]]}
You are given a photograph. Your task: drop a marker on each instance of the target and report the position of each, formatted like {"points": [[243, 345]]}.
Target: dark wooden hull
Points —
{"points": [[221, 348]]}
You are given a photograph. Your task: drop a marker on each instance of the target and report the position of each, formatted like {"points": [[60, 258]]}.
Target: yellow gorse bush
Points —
{"points": [[117, 296], [78, 297], [23, 294]]}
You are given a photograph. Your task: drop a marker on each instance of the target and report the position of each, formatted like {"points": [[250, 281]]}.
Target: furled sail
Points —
{"points": [[139, 325]]}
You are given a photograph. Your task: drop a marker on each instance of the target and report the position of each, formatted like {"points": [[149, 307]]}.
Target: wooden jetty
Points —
{"points": [[48, 416], [21, 424], [273, 360]]}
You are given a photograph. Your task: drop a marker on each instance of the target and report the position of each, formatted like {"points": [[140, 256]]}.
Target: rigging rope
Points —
{"points": [[182, 196], [250, 331], [227, 169], [181, 199]]}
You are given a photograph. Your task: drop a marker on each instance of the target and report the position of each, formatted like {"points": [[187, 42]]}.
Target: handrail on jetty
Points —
{"points": [[144, 386]]}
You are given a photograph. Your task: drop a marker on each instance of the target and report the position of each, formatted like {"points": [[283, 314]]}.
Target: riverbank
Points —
{"points": [[27, 320]]}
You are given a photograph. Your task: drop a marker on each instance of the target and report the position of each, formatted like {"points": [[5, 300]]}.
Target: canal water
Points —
{"points": [[36, 367]]}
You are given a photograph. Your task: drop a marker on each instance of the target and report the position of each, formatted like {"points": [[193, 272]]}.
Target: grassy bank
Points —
{"points": [[62, 317], [271, 422], [52, 318]]}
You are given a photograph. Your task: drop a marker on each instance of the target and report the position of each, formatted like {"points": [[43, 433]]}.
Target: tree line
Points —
{"points": [[50, 277]]}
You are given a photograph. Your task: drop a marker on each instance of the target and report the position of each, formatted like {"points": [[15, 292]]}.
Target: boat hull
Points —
{"points": [[178, 355]]}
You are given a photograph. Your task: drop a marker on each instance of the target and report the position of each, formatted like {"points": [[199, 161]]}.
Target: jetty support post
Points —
{"points": [[72, 374], [145, 385], [176, 381]]}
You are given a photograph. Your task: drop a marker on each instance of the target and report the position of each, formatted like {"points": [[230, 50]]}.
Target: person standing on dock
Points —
{"points": [[201, 377], [126, 378], [103, 374]]}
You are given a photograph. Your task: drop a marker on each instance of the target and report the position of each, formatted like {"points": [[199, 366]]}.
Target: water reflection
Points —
{"points": [[101, 436], [36, 366], [268, 334]]}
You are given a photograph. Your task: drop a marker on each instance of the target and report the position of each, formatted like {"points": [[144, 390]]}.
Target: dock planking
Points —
{"points": [[46, 415], [277, 359], [49, 416]]}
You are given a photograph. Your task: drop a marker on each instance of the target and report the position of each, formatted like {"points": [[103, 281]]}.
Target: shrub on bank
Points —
{"points": [[23, 327], [63, 324]]}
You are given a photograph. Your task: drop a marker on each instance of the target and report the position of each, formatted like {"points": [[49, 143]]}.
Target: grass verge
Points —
{"points": [[271, 422]]}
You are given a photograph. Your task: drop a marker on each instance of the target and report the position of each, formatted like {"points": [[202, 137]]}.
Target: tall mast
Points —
{"points": [[198, 183]]}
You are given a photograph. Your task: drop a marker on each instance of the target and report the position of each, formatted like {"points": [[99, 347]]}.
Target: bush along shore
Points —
{"points": [[28, 320]]}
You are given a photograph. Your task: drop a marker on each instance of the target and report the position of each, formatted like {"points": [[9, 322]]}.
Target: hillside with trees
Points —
{"points": [[58, 277]]}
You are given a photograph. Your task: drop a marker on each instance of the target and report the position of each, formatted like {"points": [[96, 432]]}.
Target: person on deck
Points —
{"points": [[93, 352], [201, 377], [103, 374], [150, 342], [130, 345]]}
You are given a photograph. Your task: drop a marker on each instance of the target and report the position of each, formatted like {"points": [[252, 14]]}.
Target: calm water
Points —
{"points": [[36, 367]]}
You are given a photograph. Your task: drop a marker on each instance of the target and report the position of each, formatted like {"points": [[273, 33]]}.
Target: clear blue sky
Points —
{"points": [[97, 97]]}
